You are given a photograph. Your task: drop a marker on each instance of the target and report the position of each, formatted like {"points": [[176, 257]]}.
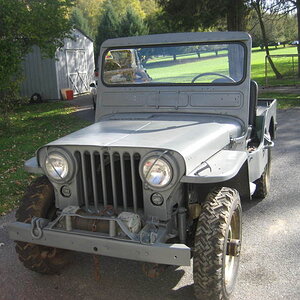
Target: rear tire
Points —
{"points": [[263, 184], [217, 245], [38, 201]]}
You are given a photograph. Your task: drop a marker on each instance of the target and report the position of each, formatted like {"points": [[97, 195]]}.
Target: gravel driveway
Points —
{"points": [[270, 264]]}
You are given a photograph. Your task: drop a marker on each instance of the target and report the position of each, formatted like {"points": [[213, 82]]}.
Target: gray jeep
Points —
{"points": [[179, 138]]}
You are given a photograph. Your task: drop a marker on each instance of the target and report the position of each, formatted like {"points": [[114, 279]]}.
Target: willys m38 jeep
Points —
{"points": [[179, 138]]}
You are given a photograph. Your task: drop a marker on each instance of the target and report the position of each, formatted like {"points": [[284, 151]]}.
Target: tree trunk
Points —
{"points": [[256, 5], [236, 15], [298, 46]]}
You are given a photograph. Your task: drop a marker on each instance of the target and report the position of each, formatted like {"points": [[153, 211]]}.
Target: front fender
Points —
{"points": [[32, 166], [221, 167]]}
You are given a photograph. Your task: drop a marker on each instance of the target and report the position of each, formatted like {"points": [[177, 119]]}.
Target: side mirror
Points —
{"points": [[93, 85]]}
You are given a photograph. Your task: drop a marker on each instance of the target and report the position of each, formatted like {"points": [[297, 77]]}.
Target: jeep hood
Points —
{"points": [[196, 138]]}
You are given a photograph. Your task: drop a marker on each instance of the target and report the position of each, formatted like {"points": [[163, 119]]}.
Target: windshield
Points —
{"points": [[209, 64]]}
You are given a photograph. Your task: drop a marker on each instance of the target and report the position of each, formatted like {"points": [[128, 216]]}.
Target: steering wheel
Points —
{"points": [[213, 73]]}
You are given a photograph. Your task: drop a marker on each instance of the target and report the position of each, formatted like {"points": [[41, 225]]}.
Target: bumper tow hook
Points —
{"points": [[37, 224]]}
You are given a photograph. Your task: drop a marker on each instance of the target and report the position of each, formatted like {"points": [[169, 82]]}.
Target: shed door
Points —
{"points": [[77, 71]]}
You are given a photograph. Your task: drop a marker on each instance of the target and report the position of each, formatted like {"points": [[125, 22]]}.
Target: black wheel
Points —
{"points": [[36, 98], [38, 201], [263, 183], [217, 245]]}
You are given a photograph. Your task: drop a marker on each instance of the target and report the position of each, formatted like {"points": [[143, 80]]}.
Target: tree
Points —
{"points": [[91, 10], [80, 21], [108, 27], [296, 5], [188, 15], [290, 6], [149, 6], [132, 24], [23, 24], [121, 7], [117, 22], [157, 23], [260, 7], [279, 27]]}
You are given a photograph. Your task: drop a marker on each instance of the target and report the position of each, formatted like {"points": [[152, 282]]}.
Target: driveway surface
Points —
{"points": [[270, 263]]}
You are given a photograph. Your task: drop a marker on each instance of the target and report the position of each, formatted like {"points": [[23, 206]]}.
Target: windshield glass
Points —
{"points": [[209, 64]]}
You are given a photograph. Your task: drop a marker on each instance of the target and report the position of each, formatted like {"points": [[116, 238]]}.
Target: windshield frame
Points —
{"points": [[165, 84]]}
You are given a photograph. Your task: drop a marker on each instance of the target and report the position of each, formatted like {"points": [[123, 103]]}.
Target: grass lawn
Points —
{"points": [[283, 65], [184, 70], [187, 71], [284, 100], [30, 127]]}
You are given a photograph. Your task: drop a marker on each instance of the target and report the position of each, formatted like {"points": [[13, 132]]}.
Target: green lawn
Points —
{"points": [[183, 70], [187, 71], [284, 100], [283, 65], [31, 126]]}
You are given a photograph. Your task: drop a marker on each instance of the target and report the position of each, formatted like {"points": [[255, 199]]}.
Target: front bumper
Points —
{"points": [[89, 242]]}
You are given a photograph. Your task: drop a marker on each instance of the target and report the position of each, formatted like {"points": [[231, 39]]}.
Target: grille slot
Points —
{"points": [[109, 178]]}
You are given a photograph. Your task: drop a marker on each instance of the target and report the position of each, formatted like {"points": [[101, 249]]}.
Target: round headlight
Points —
{"points": [[157, 172], [57, 166]]}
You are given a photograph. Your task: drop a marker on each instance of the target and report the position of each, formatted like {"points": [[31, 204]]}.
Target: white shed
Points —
{"points": [[72, 68]]}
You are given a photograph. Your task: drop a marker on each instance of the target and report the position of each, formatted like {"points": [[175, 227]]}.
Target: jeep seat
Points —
{"points": [[253, 102]]}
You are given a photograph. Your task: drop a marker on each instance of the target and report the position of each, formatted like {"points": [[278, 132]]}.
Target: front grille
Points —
{"points": [[109, 178]]}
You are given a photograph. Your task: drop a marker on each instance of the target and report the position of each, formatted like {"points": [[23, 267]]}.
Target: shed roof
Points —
{"points": [[82, 32]]}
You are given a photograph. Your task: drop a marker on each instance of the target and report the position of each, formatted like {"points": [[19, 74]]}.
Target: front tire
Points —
{"points": [[38, 201], [217, 245]]}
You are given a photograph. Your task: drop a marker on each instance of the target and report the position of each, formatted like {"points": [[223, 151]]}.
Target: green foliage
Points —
{"points": [[22, 25], [121, 7], [279, 28], [91, 11], [108, 26], [9, 99], [115, 22], [80, 21], [132, 24], [187, 15], [149, 7], [157, 23]]}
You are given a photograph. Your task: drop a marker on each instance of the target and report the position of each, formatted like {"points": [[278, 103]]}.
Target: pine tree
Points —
{"points": [[79, 21], [132, 24], [108, 27]]}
